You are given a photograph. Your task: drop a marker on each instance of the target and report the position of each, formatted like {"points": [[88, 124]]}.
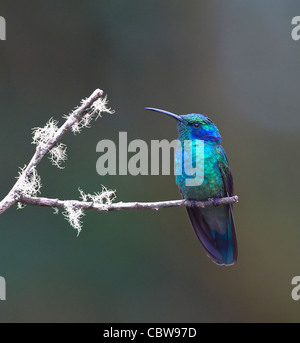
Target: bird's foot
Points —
{"points": [[216, 201], [193, 203]]}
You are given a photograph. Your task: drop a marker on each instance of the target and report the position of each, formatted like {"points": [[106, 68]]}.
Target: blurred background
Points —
{"points": [[235, 62]]}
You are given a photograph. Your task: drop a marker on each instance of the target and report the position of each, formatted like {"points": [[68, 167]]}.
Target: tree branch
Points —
{"points": [[41, 150], [157, 205], [26, 188]]}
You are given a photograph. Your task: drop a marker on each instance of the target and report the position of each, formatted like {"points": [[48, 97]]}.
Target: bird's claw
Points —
{"points": [[193, 203], [216, 201]]}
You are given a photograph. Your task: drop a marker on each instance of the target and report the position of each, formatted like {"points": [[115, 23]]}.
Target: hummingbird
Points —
{"points": [[214, 226]]}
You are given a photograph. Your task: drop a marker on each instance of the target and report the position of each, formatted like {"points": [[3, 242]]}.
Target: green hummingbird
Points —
{"points": [[214, 226]]}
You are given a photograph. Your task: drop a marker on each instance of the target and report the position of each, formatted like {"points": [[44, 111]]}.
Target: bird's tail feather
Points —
{"points": [[214, 226]]}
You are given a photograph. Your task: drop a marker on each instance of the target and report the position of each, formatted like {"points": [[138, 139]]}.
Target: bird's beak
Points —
{"points": [[177, 117]]}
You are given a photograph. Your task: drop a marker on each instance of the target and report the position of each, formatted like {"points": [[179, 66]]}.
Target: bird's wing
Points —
{"points": [[228, 190], [225, 172]]}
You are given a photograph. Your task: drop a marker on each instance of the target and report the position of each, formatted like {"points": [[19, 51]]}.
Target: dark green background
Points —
{"points": [[234, 61]]}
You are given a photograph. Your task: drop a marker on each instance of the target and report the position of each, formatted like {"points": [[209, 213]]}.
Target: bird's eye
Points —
{"points": [[196, 125]]}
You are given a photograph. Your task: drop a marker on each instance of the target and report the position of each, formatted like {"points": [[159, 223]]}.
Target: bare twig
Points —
{"points": [[157, 205]]}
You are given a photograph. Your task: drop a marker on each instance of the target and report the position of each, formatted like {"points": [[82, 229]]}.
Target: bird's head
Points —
{"points": [[194, 126]]}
